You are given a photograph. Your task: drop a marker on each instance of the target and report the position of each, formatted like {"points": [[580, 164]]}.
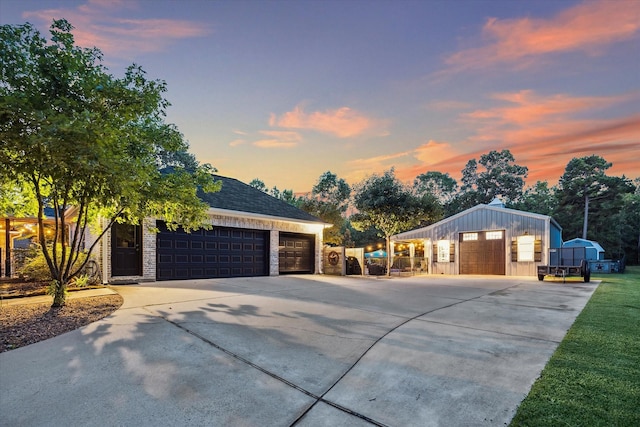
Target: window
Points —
{"points": [[493, 235], [466, 237], [526, 248], [443, 251]]}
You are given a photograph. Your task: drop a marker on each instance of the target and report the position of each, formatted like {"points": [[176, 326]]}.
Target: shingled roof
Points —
{"points": [[240, 197]]}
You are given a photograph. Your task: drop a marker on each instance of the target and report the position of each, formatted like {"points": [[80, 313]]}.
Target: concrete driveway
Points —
{"points": [[298, 350]]}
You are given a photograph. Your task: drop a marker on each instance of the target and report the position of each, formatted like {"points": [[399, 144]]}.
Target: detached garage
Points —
{"points": [[487, 240], [252, 234]]}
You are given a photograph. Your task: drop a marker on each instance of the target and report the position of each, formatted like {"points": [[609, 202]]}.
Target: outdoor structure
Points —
{"points": [[252, 234], [15, 233], [593, 249], [595, 255], [485, 239], [17, 236]]}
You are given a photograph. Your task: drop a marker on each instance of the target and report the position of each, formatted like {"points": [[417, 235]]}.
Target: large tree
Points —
{"points": [[329, 201], [499, 176], [630, 225], [439, 186], [384, 203], [538, 199], [88, 144], [585, 181], [287, 196], [332, 189]]}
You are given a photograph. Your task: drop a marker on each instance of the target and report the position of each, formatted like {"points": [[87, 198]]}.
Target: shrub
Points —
{"points": [[35, 265]]}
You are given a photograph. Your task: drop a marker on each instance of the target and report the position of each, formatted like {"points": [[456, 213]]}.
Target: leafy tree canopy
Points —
{"points": [[440, 185], [83, 141], [630, 224], [328, 201], [332, 190], [284, 195], [538, 199], [591, 203], [384, 203], [500, 177]]}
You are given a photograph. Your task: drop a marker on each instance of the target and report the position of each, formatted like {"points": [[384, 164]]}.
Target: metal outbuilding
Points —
{"points": [[486, 239], [593, 250]]}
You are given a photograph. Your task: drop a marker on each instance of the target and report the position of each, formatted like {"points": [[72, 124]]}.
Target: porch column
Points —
{"points": [[412, 254]]}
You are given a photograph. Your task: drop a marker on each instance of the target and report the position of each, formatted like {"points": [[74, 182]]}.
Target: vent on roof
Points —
{"points": [[496, 203]]}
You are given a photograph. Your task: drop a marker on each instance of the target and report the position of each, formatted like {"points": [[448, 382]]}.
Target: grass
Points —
{"points": [[593, 378]]}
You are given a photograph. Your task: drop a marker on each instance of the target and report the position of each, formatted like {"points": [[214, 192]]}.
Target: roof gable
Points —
{"points": [[240, 197], [583, 243], [470, 211]]}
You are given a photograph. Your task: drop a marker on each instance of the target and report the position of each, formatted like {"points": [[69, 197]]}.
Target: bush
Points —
{"points": [[35, 265]]}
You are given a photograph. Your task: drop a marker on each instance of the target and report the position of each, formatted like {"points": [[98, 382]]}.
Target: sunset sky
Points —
{"points": [[286, 90]]}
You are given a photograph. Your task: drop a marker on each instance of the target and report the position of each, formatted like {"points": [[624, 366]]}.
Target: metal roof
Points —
{"points": [[497, 208], [583, 243]]}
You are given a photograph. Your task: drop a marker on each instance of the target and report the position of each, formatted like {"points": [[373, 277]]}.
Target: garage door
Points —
{"points": [[482, 252], [296, 253], [203, 254]]}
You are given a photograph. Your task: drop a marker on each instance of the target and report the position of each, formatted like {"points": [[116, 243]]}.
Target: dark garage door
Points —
{"points": [[295, 253], [204, 254], [482, 252]]}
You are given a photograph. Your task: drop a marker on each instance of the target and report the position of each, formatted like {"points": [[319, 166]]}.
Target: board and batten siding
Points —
{"points": [[512, 222]]}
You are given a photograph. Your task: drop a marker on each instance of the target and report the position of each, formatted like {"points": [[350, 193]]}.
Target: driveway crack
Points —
{"points": [[321, 398]]}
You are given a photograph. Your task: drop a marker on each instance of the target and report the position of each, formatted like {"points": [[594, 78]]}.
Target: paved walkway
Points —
{"points": [[298, 350]]}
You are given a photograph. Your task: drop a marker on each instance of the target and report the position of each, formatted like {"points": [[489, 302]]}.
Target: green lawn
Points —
{"points": [[593, 378]]}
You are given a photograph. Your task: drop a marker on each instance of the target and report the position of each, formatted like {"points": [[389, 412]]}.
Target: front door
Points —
{"points": [[126, 250]]}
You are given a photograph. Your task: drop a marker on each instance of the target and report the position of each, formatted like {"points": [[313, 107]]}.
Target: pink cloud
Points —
{"points": [[343, 122], [587, 27], [237, 142], [544, 134], [279, 139], [359, 169], [408, 164], [97, 24], [423, 158], [526, 107], [432, 152]]}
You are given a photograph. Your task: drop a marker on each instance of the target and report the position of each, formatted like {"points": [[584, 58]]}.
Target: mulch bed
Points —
{"points": [[24, 324], [13, 288]]}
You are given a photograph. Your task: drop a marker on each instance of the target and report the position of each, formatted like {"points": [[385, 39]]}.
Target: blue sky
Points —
{"points": [[286, 90]]}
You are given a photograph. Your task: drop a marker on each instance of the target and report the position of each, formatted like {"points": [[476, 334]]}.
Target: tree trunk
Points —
{"points": [[388, 241], [586, 217], [59, 291]]}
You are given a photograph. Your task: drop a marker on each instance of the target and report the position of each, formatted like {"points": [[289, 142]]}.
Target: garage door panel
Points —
{"points": [[485, 255], [296, 253], [219, 252]]}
